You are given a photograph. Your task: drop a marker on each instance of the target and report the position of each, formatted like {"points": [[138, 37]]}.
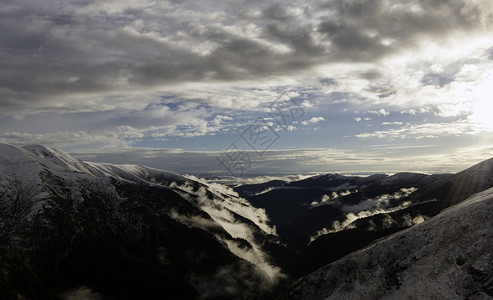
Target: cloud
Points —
{"points": [[410, 221], [420, 110], [381, 112], [378, 158], [370, 207], [238, 205], [58, 139], [237, 181], [102, 49], [187, 74], [436, 79], [453, 110], [313, 120], [422, 131], [229, 211], [122, 128], [82, 293], [239, 281]]}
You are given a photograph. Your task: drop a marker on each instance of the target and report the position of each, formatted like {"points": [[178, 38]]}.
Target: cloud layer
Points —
{"points": [[382, 159], [123, 45], [189, 74]]}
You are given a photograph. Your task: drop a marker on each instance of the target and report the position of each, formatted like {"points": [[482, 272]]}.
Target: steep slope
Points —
{"points": [[359, 233], [126, 232], [446, 257], [325, 217], [452, 189]]}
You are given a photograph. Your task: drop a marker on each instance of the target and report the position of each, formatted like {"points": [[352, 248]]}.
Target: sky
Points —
{"points": [[252, 87]]}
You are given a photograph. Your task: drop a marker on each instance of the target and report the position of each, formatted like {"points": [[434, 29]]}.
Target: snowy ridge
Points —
{"points": [[446, 257], [52, 205], [136, 173], [56, 159], [53, 174]]}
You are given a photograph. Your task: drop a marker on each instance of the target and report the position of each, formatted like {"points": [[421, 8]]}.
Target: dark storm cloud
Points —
{"points": [[51, 51], [368, 30]]}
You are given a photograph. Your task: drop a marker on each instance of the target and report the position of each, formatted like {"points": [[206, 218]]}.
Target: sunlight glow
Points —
{"points": [[483, 105]]}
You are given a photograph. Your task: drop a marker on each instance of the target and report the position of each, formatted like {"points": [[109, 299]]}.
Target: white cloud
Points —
{"points": [[371, 207], [454, 110], [72, 139], [237, 181], [313, 120], [377, 158], [108, 70], [381, 112], [421, 110], [422, 131], [222, 206]]}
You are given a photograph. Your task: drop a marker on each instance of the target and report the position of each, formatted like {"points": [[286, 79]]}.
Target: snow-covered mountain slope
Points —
{"points": [[325, 217], [447, 257], [128, 231], [454, 188], [69, 227]]}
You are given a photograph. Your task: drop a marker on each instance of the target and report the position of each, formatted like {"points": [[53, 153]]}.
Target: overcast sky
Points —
{"points": [[332, 85]]}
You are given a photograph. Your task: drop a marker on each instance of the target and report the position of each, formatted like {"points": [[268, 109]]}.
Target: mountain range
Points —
{"points": [[446, 257], [80, 230], [124, 232]]}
